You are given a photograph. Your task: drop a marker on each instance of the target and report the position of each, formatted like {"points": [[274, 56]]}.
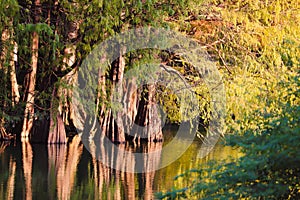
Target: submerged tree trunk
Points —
{"points": [[30, 90]]}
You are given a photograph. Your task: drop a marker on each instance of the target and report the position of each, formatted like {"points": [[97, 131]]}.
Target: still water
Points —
{"points": [[39, 171]]}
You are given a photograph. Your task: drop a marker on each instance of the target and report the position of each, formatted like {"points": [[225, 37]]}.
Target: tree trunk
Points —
{"points": [[61, 114], [57, 132], [61, 108], [111, 125], [13, 77], [117, 131], [30, 90], [7, 57], [129, 114], [148, 122]]}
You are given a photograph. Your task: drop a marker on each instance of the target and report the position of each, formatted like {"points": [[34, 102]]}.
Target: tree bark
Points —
{"points": [[7, 57], [147, 120], [61, 111], [30, 91], [111, 125], [61, 108], [129, 114], [13, 76], [57, 132], [118, 134]]}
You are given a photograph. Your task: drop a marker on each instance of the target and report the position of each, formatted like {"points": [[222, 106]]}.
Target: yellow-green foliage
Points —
{"points": [[256, 45]]}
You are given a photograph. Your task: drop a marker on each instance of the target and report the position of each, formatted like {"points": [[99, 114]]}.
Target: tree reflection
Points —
{"points": [[3, 146], [77, 171], [27, 156], [121, 184], [63, 161], [11, 179]]}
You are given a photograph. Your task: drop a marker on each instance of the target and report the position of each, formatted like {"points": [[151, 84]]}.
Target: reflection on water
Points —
{"points": [[36, 171]]}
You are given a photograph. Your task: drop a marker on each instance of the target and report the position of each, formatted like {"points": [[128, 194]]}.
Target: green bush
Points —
{"points": [[270, 165]]}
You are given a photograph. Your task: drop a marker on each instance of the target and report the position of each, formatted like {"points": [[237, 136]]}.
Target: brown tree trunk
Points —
{"points": [[134, 116], [111, 125], [148, 120], [61, 111], [7, 57], [118, 134], [13, 77], [61, 107], [57, 132], [30, 90]]}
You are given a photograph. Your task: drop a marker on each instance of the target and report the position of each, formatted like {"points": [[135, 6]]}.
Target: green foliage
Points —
{"points": [[269, 167], [256, 46]]}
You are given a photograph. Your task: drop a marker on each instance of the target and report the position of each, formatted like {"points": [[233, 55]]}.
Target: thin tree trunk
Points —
{"points": [[29, 108], [9, 55], [13, 77], [5, 56]]}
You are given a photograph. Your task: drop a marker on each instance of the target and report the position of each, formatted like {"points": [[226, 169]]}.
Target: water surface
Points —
{"points": [[39, 171]]}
